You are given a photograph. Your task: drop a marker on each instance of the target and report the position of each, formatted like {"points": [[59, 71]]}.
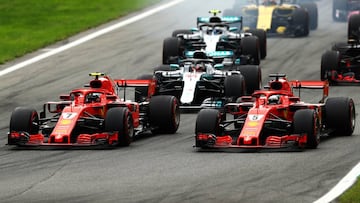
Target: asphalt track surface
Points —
{"points": [[166, 168]]}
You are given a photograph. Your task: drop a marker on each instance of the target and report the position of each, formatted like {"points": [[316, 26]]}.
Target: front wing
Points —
{"points": [[210, 141]]}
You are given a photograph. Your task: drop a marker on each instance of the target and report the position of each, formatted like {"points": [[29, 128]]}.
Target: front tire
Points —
{"points": [[207, 121], [23, 119], [306, 121], [119, 119]]}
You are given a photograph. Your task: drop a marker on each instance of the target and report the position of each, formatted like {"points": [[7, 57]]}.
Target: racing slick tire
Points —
{"points": [[306, 121], [207, 121], [312, 9], [181, 31], [300, 23], [261, 34], [119, 119], [330, 61], [141, 93], [339, 5], [340, 109], [23, 119], [250, 46], [252, 75], [171, 50], [353, 27], [164, 114], [234, 86]]}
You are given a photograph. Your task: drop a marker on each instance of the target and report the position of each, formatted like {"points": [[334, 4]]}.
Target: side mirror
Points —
{"points": [[233, 29]]}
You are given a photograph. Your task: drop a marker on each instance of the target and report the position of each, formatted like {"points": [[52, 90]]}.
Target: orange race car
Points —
{"points": [[275, 118], [95, 115]]}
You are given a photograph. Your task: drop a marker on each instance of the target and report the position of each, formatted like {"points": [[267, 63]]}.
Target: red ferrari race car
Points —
{"points": [[341, 64], [95, 115], [275, 118]]}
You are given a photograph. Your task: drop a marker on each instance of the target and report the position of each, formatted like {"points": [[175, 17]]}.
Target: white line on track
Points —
{"points": [[344, 184], [88, 37]]}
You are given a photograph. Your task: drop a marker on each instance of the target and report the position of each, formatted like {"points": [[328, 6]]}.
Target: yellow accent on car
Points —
{"points": [[281, 29], [265, 17]]}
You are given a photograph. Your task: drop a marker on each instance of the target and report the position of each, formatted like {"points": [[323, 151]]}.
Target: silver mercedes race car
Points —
{"points": [[199, 82], [216, 34]]}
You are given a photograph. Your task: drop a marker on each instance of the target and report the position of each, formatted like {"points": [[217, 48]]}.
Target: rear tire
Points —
{"points": [[305, 121], [301, 18], [252, 75], [340, 109], [353, 27], [330, 61], [250, 46], [234, 86], [119, 119], [164, 114], [261, 34], [312, 9]]}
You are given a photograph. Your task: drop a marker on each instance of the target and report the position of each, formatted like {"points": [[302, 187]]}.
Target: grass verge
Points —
{"points": [[27, 25], [352, 195]]}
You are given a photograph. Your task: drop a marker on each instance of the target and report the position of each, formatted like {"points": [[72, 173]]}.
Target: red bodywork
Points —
{"points": [[77, 119], [254, 113]]}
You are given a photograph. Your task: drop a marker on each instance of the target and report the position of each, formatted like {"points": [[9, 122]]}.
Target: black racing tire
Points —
{"points": [[340, 5], [141, 93], [171, 50], [181, 31], [261, 34], [252, 75], [23, 119], [340, 109], [312, 9], [330, 61], [207, 121], [234, 86], [251, 46], [306, 121], [119, 119], [353, 27], [301, 17], [164, 114]]}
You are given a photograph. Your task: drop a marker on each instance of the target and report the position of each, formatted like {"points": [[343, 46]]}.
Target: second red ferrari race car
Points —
{"points": [[95, 115], [275, 118]]}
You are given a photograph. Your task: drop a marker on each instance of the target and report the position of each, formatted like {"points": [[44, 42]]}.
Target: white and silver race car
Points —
{"points": [[199, 81], [214, 34]]}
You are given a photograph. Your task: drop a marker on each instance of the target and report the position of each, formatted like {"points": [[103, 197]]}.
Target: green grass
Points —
{"points": [[27, 25], [352, 195]]}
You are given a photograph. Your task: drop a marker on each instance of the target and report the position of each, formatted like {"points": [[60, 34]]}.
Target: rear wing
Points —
{"points": [[312, 84], [149, 84]]}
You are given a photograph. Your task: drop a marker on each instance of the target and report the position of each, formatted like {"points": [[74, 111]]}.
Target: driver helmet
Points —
{"points": [[200, 67], [274, 99]]}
